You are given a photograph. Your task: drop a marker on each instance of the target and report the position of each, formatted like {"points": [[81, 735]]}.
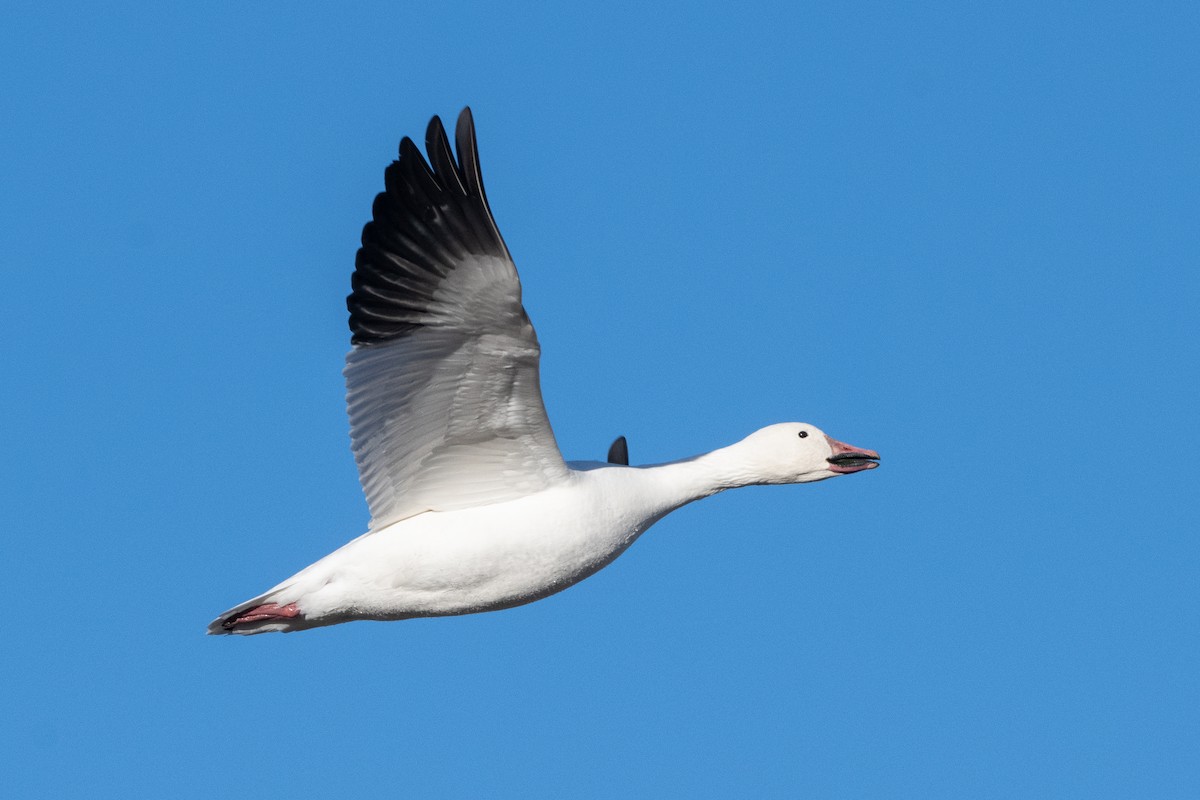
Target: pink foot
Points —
{"points": [[265, 611]]}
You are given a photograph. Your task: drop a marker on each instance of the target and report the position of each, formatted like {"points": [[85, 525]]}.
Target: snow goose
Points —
{"points": [[472, 506]]}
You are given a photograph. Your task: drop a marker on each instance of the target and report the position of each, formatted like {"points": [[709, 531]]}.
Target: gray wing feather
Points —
{"points": [[443, 387]]}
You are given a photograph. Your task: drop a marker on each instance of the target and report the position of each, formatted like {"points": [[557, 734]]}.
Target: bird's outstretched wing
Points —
{"points": [[442, 384]]}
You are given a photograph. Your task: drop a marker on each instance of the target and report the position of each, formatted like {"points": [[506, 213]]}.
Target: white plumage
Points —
{"points": [[472, 506]]}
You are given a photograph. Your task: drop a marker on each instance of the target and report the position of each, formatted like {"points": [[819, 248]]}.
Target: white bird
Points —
{"points": [[472, 506]]}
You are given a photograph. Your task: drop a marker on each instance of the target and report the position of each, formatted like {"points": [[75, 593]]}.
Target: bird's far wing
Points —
{"points": [[442, 383], [618, 452]]}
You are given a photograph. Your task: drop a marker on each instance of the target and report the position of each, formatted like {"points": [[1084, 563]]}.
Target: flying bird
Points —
{"points": [[472, 506]]}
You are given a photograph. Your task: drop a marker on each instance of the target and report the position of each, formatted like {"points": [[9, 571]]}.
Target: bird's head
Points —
{"points": [[796, 452]]}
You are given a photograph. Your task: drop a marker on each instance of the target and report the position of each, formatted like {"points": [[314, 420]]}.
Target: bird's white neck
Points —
{"points": [[678, 483]]}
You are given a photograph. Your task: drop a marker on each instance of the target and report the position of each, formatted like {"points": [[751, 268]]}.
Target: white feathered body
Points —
{"points": [[472, 505], [483, 558]]}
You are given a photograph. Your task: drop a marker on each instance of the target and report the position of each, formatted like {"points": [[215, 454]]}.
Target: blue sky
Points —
{"points": [[966, 238]]}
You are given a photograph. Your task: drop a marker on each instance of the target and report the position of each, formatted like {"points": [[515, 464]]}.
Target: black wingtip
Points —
{"points": [[465, 122], [430, 214], [618, 453], [435, 125], [467, 148]]}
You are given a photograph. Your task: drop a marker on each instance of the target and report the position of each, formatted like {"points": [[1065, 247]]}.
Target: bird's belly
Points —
{"points": [[464, 561]]}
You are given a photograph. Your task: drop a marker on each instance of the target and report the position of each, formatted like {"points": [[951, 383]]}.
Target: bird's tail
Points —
{"points": [[263, 614]]}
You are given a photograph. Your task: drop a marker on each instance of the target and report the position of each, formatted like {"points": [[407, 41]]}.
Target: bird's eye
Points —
{"points": [[803, 434]]}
